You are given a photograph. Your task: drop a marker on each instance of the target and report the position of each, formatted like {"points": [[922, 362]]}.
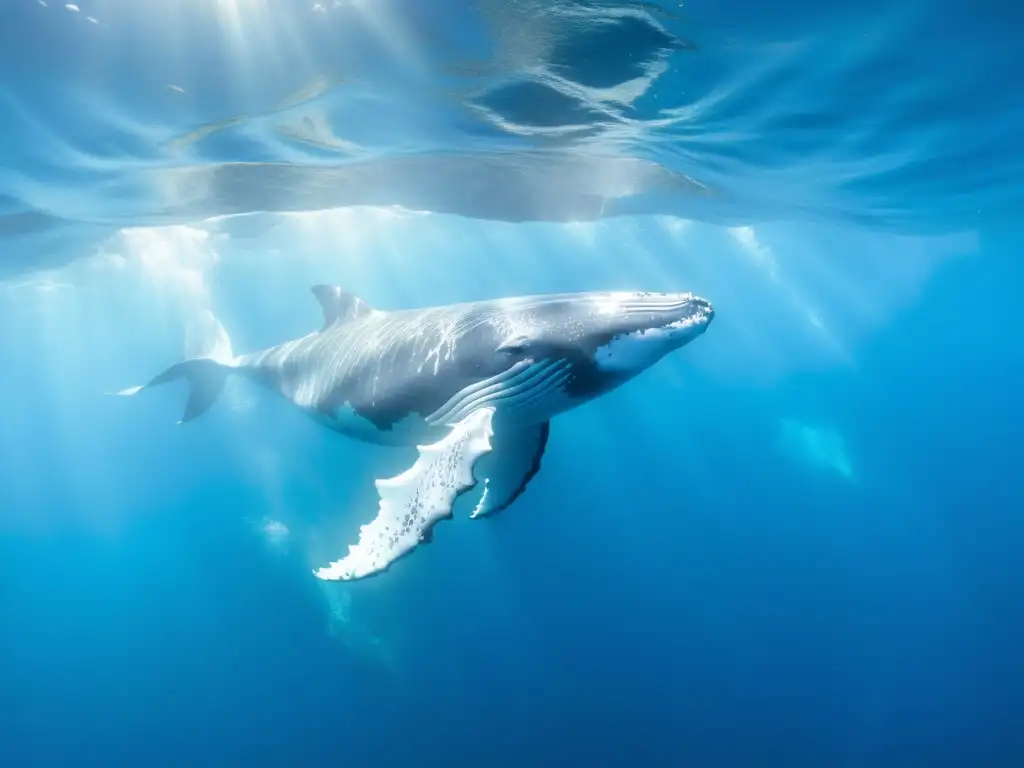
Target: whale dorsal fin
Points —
{"points": [[340, 306]]}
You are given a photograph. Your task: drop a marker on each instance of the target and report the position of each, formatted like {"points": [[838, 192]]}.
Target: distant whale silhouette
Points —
{"points": [[473, 385]]}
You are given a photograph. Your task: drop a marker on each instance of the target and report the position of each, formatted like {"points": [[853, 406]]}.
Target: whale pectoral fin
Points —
{"points": [[510, 466], [414, 501]]}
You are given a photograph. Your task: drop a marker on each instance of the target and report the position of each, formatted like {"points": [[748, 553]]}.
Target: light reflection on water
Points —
{"points": [[525, 110]]}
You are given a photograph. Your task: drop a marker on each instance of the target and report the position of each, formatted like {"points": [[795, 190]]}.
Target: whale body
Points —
{"points": [[474, 386]]}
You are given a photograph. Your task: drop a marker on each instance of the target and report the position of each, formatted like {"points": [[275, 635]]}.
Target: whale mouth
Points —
{"points": [[674, 313], [698, 315], [671, 315]]}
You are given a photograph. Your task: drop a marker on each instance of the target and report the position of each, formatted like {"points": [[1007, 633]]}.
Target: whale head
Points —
{"points": [[609, 337], [633, 331]]}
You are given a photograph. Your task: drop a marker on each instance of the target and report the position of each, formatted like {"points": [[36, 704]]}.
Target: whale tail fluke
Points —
{"points": [[205, 376], [206, 372]]}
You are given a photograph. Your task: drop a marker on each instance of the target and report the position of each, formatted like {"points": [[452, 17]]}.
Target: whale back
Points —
{"points": [[340, 306]]}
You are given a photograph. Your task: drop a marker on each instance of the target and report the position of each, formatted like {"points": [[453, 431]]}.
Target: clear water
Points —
{"points": [[795, 542]]}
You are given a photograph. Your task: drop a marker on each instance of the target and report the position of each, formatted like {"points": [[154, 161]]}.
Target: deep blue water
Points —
{"points": [[793, 543]]}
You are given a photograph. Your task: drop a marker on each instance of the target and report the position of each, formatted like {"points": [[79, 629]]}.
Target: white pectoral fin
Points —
{"points": [[411, 503], [510, 466]]}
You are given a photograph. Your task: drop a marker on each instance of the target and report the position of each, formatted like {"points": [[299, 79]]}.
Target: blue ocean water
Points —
{"points": [[795, 542]]}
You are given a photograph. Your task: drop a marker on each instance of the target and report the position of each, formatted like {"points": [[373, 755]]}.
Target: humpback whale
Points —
{"points": [[473, 386]]}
